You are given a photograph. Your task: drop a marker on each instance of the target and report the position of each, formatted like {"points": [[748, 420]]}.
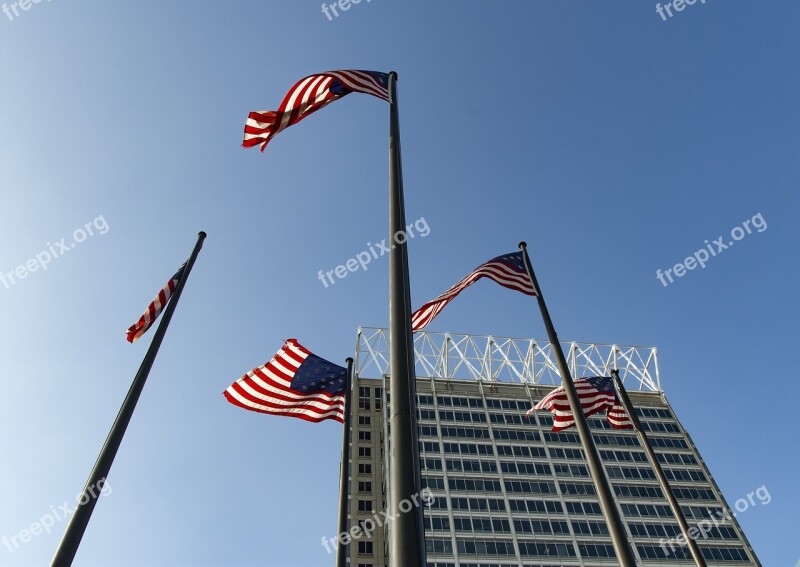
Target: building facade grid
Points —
{"points": [[511, 493]]}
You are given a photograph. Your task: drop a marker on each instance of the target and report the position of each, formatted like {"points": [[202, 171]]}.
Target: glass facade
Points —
{"points": [[509, 492]]}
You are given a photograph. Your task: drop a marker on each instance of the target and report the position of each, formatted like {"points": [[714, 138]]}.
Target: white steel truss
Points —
{"points": [[450, 356]]}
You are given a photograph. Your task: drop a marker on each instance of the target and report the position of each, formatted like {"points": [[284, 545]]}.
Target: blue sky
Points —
{"points": [[614, 142]]}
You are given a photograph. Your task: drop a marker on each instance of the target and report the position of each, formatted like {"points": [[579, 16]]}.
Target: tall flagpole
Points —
{"points": [[616, 530], [665, 487], [91, 492], [406, 531], [344, 483]]}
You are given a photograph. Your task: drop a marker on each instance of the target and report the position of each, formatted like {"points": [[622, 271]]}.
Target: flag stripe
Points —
{"points": [[155, 308], [595, 395], [618, 418], [508, 271], [268, 389], [306, 97]]}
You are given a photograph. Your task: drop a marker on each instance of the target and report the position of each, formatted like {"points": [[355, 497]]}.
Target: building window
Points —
{"points": [[365, 505], [365, 548], [364, 436], [364, 486], [364, 420], [364, 468], [365, 451], [378, 398], [363, 398]]}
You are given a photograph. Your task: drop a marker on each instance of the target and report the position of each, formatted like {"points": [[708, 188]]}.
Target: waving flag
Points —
{"points": [[618, 418], [294, 383], [308, 96], [155, 308], [507, 270], [595, 395]]}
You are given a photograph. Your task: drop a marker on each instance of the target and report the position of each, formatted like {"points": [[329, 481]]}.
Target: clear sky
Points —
{"points": [[614, 141]]}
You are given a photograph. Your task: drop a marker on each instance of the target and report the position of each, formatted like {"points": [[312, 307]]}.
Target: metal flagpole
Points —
{"points": [[665, 487], [91, 492], [618, 538], [344, 483], [406, 531]]}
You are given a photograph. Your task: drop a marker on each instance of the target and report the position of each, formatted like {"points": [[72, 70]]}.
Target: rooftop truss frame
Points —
{"points": [[486, 358]]}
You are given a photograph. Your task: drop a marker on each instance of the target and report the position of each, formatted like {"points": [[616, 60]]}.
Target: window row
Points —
{"points": [[541, 527], [517, 434], [563, 470], [583, 508], [468, 465], [610, 439], [535, 549], [646, 510], [504, 547], [473, 484], [467, 449], [465, 432], [521, 451], [530, 487], [637, 473], [477, 504], [589, 528], [654, 492], [732, 554], [525, 468], [673, 530], [653, 412], [577, 488], [704, 512], [649, 426], [536, 506], [636, 491], [609, 455], [446, 415], [685, 475], [510, 419], [524, 405], [471, 525]]}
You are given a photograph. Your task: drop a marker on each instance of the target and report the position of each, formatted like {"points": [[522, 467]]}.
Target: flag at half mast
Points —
{"points": [[508, 270], [309, 95], [295, 383], [155, 308], [595, 395]]}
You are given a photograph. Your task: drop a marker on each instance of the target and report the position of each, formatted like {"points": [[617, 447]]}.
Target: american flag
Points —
{"points": [[294, 383], [508, 270], [308, 96], [618, 418], [595, 394], [155, 308]]}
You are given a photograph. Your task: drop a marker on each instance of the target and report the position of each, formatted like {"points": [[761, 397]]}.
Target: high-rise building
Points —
{"points": [[508, 492]]}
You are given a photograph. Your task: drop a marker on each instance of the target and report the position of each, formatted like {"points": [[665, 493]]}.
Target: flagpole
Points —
{"points": [[344, 483], [603, 488], [406, 532], [662, 480], [91, 492]]}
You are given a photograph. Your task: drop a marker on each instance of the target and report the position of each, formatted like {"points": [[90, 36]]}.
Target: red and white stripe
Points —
{"points": [[267, 389], [500, 272], [618, 418], [154, 309], [591, 399], [307, 96]]}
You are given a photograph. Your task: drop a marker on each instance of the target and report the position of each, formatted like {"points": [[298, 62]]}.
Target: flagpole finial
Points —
{"points": [[348, 360], [202, 234], [523, 245], [393, 73]]}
